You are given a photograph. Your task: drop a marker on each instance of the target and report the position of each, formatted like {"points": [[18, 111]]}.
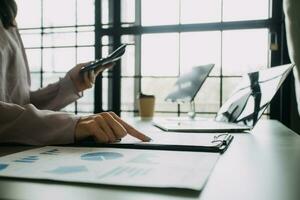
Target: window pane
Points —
{"points": [[31, 38], [105, 93], [160, 88], [234, 10], [127, 61], [49, 78], [128, 39], [85, 12], [105, 40], [25, 16], [104, 12], [59, 37], [160, 54], [59, 13], [58, 59], [85, 36], [105, 52], [199, 11], [244, 51], [35, 81], [85, 54], [229, 85], [127, 93], [34, 59], [208, 97], [86, 103], [157, 12], [200, 48], [127, 11]]}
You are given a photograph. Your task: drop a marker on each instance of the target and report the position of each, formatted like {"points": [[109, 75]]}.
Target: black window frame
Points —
{"points": [[275, 24], [280, 106]]}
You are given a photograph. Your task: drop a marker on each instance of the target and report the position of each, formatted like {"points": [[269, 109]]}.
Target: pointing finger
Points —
{"points": [[130, 130]]}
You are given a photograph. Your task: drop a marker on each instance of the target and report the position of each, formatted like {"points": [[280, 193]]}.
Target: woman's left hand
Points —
{"points": [[83, 81]]}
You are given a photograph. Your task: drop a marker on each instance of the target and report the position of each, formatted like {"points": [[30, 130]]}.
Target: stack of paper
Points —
{"points": [[113, 166]]}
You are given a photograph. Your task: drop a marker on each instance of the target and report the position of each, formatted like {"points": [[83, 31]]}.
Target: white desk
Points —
{"points": [[262, 165]]}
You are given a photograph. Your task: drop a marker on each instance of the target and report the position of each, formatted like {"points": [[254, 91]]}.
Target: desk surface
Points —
{"points": [[262, 165]]}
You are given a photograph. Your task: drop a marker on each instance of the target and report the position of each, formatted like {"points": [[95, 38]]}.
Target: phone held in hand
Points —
{"points": [[113, 57]]}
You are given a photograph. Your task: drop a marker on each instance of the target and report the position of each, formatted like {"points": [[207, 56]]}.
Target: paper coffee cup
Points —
{"points": [[146, 106]]}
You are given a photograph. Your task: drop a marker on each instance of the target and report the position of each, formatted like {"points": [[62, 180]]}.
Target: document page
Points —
{"points": [[113, 166], [165, 138]]}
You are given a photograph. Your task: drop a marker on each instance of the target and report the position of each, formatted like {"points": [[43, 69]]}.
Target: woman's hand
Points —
{"points": [[87, 79], [106, 127]]}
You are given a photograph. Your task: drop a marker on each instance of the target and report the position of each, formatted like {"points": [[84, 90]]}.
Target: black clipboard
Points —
{"points": [[218, 144]]}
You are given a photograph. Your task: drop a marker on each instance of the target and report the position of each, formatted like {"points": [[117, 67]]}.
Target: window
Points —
{"points": [[232, 34], [56, 42], [165, 39]]}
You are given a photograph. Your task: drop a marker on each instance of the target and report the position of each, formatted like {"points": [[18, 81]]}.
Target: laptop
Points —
{"points": [[243, 108], [188, 85]]}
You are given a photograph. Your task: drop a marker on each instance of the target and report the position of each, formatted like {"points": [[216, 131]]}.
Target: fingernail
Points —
{"points": [[148, 139]]}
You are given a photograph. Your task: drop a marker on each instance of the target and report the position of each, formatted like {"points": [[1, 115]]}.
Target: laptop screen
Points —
{"points": [[188, 85], [254, 93]]}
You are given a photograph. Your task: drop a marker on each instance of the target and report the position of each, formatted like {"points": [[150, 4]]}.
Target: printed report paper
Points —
{"points": [[112, 166]]}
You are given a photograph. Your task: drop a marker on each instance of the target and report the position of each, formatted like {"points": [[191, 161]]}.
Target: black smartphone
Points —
{"points": [[112, 57]]}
